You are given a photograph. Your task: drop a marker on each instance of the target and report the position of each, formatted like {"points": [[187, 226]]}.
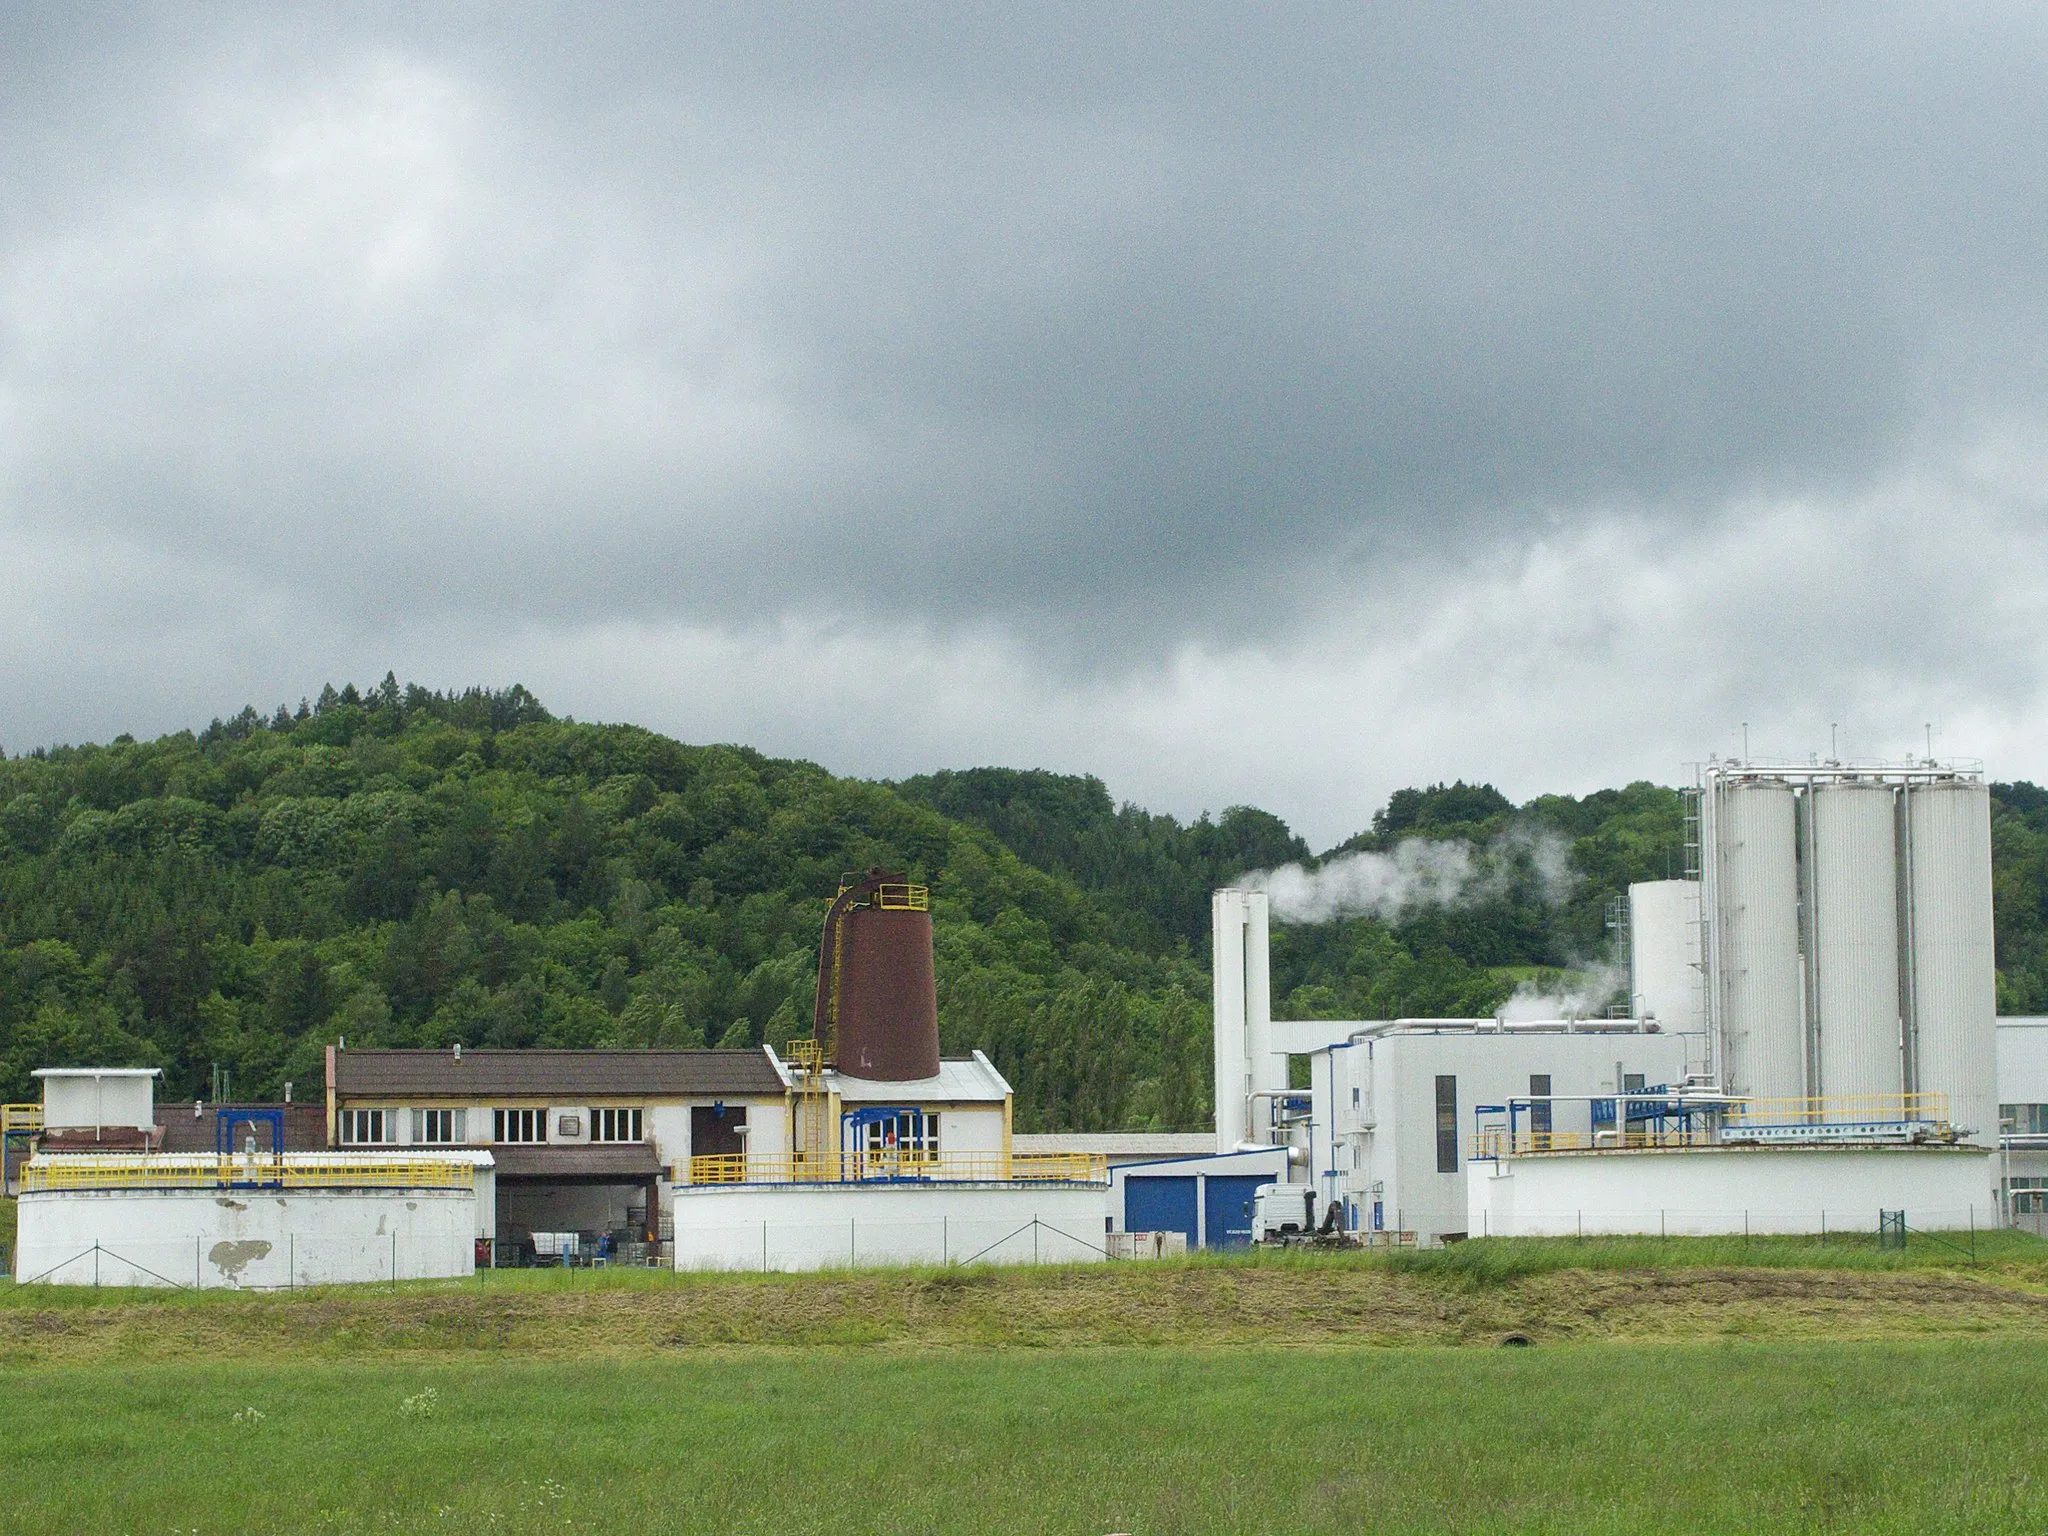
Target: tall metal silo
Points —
{"points": [[1755, 998], [877, 1002], [1952, 974], [1852, 918]]}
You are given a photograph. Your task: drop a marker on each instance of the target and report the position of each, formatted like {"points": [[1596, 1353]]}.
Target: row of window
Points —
{"points": [[912, 1131], [2024, 1119], [450, 1127]]}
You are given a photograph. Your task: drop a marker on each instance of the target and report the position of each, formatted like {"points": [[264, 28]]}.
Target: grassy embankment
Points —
{"points": [[1554, 1291]]}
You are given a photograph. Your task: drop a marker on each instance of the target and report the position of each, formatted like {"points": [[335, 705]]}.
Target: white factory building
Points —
{"points": [[1810, 1039]]}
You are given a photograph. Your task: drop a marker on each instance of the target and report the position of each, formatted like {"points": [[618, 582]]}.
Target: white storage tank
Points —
{"points": [[1853, 932], [1953, 978], [1752, 840], [1664, 954]]}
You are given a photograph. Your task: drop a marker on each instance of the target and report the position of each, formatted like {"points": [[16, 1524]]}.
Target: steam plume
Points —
{"points": [[1595, 984], [1418, 874]]}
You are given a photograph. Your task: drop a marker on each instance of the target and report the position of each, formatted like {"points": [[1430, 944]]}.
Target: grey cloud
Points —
{"points": [[1120, 325], [1158, 371]]}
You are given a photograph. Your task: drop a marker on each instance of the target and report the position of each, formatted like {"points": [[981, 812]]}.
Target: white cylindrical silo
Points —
{"points": [[1757, 982], [1953, 977], [1664, 954], [1853, 932]]}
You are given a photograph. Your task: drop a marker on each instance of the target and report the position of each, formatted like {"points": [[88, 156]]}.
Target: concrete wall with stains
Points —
{"points": [[244, 1238]]}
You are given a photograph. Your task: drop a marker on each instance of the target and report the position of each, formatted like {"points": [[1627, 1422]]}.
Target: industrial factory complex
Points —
{"points": [[1809, 1043]]}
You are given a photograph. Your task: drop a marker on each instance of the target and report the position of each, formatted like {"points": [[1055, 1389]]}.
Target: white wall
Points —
{"points": [[785, 1227], [668, 1127], [244, 1238], [767, 1130], [970, 1128], [1730, 1190], [2023, 1060], [87, 1103]]}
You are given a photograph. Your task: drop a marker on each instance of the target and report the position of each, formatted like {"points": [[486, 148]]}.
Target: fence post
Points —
{"points": [[1661, 1233], [394, 1261], [1034, 1237], [945, 1240], [196, 1285], [95, 1266], [1823, 1227]]}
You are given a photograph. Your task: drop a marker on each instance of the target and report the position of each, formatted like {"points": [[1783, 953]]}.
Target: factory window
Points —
{"points": [[615, 1125], [432, 1127], [2024, 1119], [520, 1125], [1446, 1125], [906, 1133], [1632, 1082], [367, 1127], [1539, 1110]]}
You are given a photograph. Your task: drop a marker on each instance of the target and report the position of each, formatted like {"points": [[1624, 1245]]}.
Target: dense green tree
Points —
{"points": [[403, 867]]}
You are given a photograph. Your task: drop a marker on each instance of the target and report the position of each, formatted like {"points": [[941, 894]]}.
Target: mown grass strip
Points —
{"points": [[1922, 1438]]}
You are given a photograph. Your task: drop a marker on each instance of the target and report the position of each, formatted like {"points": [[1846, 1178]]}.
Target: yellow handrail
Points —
{"points": [[20, 1117], [1739, 1120], [903, 898], [860, 1167], [1841, 1109], [86, 1171]]}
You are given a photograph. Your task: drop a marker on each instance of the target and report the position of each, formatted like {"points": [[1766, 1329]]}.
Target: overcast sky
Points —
{"points": [[1275, 405]]}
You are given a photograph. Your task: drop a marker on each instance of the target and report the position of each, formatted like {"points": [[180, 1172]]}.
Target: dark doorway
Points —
{"points": [[715, 1130]]}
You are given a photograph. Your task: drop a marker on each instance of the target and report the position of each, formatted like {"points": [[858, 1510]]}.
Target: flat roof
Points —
{"points": [[97, 1072], [972, 1080], [1119, 1143], [562, 1076]]}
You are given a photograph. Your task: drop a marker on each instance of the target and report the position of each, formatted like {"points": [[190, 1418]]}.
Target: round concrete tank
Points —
{"points": [[1953, 979], [1853, 930], [1761, 1017]]}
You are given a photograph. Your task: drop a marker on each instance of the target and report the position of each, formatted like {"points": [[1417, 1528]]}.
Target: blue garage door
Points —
{"points": [[1157, 1204], [1229, 1216]]}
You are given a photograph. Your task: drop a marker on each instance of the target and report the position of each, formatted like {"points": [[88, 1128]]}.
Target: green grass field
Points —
{"points": [[1690, 1385], [1714, 1438]]}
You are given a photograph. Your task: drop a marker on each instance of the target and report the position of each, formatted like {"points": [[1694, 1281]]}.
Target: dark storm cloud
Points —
{"points": [[1272, 405], [991, 315]]}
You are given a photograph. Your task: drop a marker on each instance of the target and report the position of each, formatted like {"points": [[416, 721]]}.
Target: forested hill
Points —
{"points": [[403, 867]]}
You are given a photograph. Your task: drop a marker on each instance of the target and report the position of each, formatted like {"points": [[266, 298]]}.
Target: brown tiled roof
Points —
{"points": [[627, 1160], [558, 1075], [305, 1126]]}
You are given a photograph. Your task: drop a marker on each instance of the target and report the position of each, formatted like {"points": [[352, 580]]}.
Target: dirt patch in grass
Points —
{"points": [[1194, 1305]]}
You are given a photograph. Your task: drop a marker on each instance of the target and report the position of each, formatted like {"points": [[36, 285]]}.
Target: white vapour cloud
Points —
{"points": [[1419, 873], [1592, 986]]}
